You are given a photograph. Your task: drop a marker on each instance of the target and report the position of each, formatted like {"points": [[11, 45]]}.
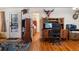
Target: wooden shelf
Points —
{"points": [[45, 33]]}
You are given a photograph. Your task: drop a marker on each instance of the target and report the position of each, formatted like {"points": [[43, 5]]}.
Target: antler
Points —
{"points": [[48, 12], [52, 10]]}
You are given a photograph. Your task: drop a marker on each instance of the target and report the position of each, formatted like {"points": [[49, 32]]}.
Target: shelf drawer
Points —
{"points": [[45, 34]]}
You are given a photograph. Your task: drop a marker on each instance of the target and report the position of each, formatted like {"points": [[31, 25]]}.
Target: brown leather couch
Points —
{"points": [[3, 37]]}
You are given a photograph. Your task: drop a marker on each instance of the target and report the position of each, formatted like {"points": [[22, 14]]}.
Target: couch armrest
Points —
{"points": [[3, 35]]}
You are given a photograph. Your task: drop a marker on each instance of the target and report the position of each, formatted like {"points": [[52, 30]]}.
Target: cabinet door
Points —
{"points": [[64, 34], [45, 34]]}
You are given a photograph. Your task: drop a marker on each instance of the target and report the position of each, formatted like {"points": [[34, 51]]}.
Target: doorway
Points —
{"points": [[34, 27], [36, 24], [14, 25]]}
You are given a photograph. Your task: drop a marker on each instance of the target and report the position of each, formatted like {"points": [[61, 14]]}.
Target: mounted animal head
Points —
{"points": [[48, 12]]}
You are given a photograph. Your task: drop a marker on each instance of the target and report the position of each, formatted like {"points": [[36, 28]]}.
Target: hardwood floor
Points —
{"points": [[38, 45]]}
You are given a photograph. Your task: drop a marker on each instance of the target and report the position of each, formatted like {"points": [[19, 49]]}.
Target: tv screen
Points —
{"points": [[48, 25]]}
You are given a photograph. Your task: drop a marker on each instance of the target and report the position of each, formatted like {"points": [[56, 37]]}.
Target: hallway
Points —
{"points": [[38, 45]]}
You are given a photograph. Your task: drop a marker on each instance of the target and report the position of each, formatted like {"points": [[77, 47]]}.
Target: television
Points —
{"points": [[48, 25]]}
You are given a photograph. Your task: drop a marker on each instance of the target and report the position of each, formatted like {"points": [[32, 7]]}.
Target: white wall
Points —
{"points": [[58, 13], [65, 12], [36, 16], [8, 11]]}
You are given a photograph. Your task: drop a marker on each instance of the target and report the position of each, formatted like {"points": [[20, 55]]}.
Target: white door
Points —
{"points": [[15, 25]]}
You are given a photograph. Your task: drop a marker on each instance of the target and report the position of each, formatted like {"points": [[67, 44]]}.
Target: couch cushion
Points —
{"points": [[3, 35]]}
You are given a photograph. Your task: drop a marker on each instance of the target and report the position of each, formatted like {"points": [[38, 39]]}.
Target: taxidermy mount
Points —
{"points": [[48, 12]]}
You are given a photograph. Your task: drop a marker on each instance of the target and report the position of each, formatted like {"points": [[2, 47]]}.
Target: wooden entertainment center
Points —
{"points": [[45, 32]]}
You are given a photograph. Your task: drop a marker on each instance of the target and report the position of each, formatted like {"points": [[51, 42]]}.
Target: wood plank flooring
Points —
{"points": [[38, 45]]}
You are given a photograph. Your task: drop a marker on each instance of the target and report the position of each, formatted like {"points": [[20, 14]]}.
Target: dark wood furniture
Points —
{"points": [[27, 33], [64, 34], [54, 34], [45, 32]]}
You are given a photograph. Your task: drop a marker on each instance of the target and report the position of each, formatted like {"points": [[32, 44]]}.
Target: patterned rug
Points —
{"points": [[13, 46]]}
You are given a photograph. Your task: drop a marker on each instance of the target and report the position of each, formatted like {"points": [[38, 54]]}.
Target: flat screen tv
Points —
{"points": [[48, 25]]}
